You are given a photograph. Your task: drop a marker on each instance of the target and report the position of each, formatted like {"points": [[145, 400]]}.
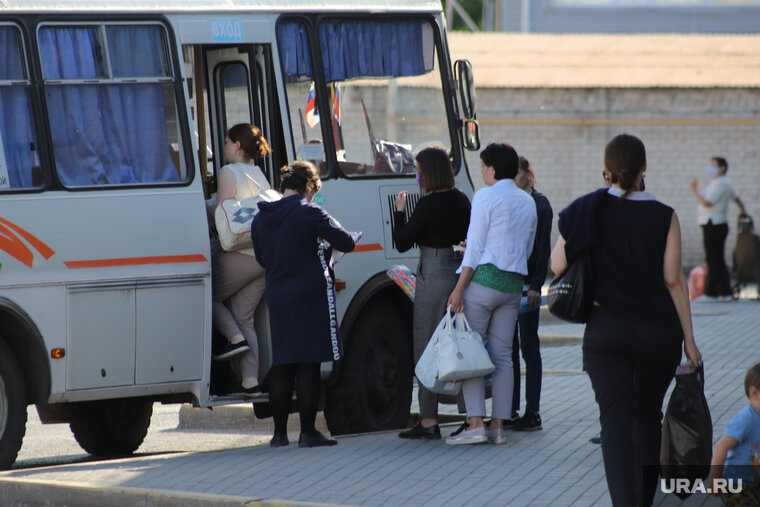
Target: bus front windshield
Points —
{"points": [[384, 93]]}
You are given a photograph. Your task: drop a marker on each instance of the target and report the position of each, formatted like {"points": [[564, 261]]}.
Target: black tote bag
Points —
{"points": [[571, 295]]}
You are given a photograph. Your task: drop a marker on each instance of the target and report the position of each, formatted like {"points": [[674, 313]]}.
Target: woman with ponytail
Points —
{"points": [[293, 239], [237, 280], [641, 317]]}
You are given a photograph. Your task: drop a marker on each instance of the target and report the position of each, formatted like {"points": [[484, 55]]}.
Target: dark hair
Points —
{"points": [[752, 379], [503, 158], [301, 176], [524, 165], [625, 158], [722, 163], [253, 144], [435, 169]]}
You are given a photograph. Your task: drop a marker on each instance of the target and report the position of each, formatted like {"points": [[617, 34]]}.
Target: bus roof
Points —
{"points": [[191, 6]]}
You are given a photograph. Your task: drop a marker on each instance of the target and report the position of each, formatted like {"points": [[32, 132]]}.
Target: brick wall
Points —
{"points": [[563, 133]]}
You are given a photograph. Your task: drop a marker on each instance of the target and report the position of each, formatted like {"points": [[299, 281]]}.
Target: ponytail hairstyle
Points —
{"points": [[625, 158], [301, 176], [524, 165], [253, 144]]}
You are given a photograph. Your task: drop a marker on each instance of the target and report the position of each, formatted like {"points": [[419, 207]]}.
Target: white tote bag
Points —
{"points": [[427, 368], [460, 351], [233, 217]]}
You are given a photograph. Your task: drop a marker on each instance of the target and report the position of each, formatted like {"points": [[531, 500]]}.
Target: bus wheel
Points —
{"points": [[112, 427], [374, 389], [12, 407]]}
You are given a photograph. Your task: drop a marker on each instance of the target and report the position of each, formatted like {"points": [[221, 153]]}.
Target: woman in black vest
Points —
{"points": [[641, 315]]}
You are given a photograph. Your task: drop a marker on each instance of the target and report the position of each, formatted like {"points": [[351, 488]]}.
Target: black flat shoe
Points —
{"points": [[279, 440], [316, 439], [421, 432]]}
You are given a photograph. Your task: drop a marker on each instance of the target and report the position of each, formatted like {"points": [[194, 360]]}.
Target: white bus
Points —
{"points": [[112, 122]]}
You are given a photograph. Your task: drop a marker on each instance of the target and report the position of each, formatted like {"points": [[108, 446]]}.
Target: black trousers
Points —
{"points": [[714, 239], [304, 377], [631, 364]]}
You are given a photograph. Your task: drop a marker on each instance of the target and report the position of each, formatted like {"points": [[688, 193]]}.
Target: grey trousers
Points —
{"points": [[436, 278], [492, 314], [239, 280]]}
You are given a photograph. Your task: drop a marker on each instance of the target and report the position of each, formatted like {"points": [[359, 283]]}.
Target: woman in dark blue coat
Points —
{"points": [[293, 240]]}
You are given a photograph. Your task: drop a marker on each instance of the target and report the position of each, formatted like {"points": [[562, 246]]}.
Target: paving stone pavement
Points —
{"points": [[555, 466]]}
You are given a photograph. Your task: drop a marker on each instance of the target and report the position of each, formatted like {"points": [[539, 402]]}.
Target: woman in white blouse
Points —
{"points": [[237, 279], [499, 242]]}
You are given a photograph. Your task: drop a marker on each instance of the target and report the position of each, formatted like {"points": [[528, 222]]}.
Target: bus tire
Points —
{"points": [[374, 389], [112, 427], [12, 407]]}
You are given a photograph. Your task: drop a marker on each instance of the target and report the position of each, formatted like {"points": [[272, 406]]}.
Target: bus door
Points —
{"points": [[241, 90], [239, 87]]}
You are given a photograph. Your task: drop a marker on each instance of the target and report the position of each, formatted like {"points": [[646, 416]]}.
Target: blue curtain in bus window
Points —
{"points": [[353, 48], [128, 47], [16, 122], [106, 133], [294, 49]]}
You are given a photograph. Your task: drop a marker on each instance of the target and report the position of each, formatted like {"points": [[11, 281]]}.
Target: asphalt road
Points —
{"points": [[54, 444]]}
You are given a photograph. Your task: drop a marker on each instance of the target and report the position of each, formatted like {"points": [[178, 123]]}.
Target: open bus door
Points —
{"points": [[238, 87]]}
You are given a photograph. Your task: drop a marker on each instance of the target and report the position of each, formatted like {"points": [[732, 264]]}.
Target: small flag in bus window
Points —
{"points": [[312, 114], [336, 104]]}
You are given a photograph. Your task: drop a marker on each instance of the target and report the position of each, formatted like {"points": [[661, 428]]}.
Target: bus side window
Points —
{"points": [[113, 118], [19, 160]]}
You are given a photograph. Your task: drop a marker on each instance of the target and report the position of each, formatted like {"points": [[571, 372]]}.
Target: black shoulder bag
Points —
{"points": [[571, 295]]}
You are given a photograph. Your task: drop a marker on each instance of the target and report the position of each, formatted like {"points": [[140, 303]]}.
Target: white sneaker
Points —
{"points": [[473, 436], [496, 435]]}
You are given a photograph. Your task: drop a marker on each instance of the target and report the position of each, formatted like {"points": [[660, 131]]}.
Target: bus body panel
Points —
{"points": [[120, 278]]}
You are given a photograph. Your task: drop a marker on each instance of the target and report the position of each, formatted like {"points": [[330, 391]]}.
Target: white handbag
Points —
{"points": [[460, 351], [233, 217], [427, 368]]}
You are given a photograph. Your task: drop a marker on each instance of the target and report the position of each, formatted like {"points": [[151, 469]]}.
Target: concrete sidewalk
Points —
{"points": [[555, 466]]}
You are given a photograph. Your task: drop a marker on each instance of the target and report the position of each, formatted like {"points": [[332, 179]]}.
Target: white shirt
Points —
{"points": [[718, 192], [636, 195], [502, 228], [249, 179]]}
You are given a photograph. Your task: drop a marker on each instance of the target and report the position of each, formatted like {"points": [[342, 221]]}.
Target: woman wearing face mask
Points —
{"points": [[439, 221], [713, 207]]}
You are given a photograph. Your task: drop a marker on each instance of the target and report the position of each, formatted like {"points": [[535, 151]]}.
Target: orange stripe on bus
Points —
{"points": [[368, 248], [134, 261]]}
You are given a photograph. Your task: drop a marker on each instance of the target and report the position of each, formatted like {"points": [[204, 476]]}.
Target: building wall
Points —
{"points": [[563, 133], [621, 17]]}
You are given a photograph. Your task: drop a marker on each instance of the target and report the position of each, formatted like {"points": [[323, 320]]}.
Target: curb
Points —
{"points": [[23, 492]]}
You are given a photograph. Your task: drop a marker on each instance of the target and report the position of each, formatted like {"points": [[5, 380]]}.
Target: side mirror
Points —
{"points": [[463, 73], [471, 135]]}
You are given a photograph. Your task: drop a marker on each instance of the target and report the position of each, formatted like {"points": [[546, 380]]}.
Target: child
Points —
{"points": [[739, 447]]}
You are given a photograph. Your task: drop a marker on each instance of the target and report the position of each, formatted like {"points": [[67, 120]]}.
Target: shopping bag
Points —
{"points": [[459, 350], [697, 277], [686, 449], [233, 219], [427, 369]]}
